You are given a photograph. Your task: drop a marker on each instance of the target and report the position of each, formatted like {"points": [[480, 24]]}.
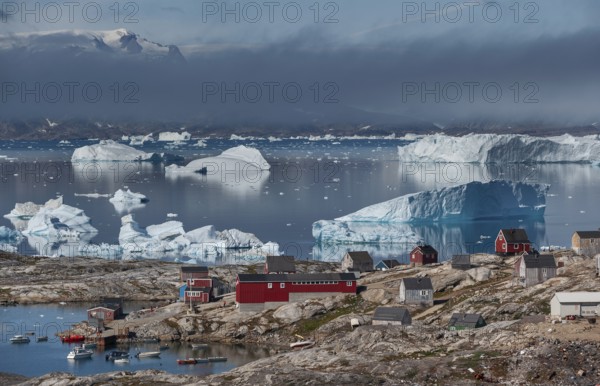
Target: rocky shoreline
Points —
{"points": [[519, 345]]}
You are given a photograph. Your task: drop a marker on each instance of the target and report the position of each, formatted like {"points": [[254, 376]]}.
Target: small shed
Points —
{"points": [[575, 303], [391, 316], [586, 242], [359, 261], [416, 291], [532, 269], [106, 312], [280, 264], [462, 262], [423, 255], [512, 241], [193, 272], [461, 321], [384, 265]]}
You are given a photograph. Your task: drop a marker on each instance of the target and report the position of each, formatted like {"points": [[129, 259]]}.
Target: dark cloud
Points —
{"points": [[548, 78]]}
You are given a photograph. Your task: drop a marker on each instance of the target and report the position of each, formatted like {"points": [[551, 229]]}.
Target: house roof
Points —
{"points": [[391, 263], [281, 264], [112, 307], [283, 277], [578, 297], [361, 257], [588, 234], [194, 268], [390, 313], [539, 261], [465, 320], [426, 249], [417, 283], [515, 235], [461, 259]]}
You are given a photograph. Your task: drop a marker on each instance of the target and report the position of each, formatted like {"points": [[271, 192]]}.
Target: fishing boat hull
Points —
{"points": [[72, 339], [18, 339], [189, 361], [148, 354]]}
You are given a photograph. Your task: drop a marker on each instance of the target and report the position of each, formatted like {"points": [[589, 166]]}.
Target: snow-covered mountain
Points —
{"points": [[78, 42]]}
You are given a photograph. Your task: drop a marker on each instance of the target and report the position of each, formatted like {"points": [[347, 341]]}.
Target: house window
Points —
{"points": [[424, 292], [349, 283], [504, 246], [516, 246], [281, 285], [270, 285]]}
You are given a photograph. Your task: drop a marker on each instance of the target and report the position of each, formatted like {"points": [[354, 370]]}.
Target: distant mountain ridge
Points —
{"points": [[118, 41]]}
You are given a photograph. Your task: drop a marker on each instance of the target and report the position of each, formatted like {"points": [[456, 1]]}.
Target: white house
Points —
{"points": [[575, 303]]}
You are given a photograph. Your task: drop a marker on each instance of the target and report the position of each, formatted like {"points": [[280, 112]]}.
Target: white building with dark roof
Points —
{"points": [[391, 316], [575, 303]]}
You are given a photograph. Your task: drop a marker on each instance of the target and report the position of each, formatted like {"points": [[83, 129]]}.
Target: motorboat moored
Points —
{"points": [[19, 339], [80, 353]]}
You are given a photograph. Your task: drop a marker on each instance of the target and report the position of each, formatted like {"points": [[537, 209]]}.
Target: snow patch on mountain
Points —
{"points": [[502, 148]]}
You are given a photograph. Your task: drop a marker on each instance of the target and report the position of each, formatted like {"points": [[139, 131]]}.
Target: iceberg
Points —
{"points": [[111, 151], [170, 236], [138, 140], [169, 136], [245, 160], [57, 220], [502, 148], [386, 222], [127, 201], [9, 235], [24, 211]]}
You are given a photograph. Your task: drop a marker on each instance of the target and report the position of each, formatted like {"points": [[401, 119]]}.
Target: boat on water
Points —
{"points": [[114, 355], [122, 360], [188, 361], [198, 346], [42, 339], [80, 353], [30, 333], [217, 359], [201, 360], [19, 339], [89, 345], [302, 344], [72, 338], [148, 354]]}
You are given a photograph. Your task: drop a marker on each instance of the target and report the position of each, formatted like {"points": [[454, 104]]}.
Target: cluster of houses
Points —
{"points": [[279, 283]]}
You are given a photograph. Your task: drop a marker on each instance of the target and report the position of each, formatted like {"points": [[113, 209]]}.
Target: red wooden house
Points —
{"points": [[193, 272], [198, 290], [512, 241], [256, 292], [423, 255]]}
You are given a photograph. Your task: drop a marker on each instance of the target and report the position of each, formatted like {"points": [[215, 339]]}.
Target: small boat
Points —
{"points": [[30, 333], [121, 360], [42, 339], [90, 345], [80, 353], [197, 346], [201, 360], [217, 359], [188, 361], [62, 303], [72, 338], [302, 344], [148, 354], [19, 339], [114, 355]]}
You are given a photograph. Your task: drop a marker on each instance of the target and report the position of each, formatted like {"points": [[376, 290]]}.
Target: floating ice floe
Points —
{"points": [[111, 151], [502, 148], [139, 140], [57, 220], [169, 136], [382, 223], [93, 195], [127, 201], [243, 159], [201, 143], [170, 236]]}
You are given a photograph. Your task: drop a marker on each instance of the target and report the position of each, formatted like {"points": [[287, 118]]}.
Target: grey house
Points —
{"points": [[357, 262], [534, 269], [280, 264], [586, 242], [462, 262], [391, 316], [460, 321], [416, 291]]}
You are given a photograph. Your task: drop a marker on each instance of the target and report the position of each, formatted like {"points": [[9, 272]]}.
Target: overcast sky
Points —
{"points": [[386, 56]]}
